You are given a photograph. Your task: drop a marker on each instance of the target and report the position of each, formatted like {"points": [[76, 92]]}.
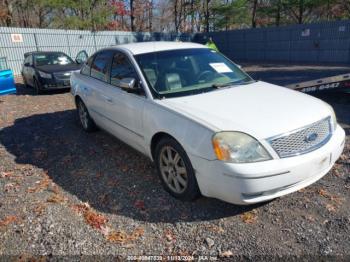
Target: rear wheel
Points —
{"points": [[85, 120], [175, 170]]}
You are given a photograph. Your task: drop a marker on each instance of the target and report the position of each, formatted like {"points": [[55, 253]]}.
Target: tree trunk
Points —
{"points": [[176, 17], [192, 16], [301, 11], [206, 17], [150, 15], [9, 16], [278, 13], [255, 4], [132, 18]]}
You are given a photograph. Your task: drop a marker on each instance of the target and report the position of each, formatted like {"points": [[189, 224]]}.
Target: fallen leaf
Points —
{"points": [[39, 209], [215, 229], [40, 186], [117, 237], [310, 218], [95, 220], [6, 174], [323, 192], [8, 220], [338, 200], [249, 217], [106, 230], [137, 233], [56, 198], [330, 208], [81, 208], [336, 172], [169, 235], [122, 237], [11, 187], [227, 253]]}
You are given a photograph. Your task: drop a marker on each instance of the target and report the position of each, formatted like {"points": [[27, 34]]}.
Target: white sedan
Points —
{"points": [[208, 126]]}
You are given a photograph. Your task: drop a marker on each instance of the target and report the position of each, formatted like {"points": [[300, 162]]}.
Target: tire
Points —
{"points": [[178, 168], [85, 120], [25, 84], [37, 89]]}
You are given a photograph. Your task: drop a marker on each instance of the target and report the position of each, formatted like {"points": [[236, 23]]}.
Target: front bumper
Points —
{"points": [[53, 83], [258, 182]]}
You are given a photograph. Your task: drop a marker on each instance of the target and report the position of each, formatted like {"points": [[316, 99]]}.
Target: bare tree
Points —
{"points": [[132, 18]]}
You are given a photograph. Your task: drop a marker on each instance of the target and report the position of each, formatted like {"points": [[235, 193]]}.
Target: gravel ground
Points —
{"points": [[64, 193]]}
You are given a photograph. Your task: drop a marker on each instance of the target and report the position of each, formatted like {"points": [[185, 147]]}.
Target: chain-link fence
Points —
{"points": [[15, 42], [327, 42]]}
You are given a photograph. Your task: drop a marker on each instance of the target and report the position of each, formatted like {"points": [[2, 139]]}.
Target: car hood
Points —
{"points": [[260, 109], [59, 68]]}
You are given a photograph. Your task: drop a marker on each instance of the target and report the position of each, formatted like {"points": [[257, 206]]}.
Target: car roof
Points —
{"points": [[149, 47], [41, 52]]}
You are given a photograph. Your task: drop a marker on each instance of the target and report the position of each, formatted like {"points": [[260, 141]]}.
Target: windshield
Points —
{"points": [[52, 59], [189, 71]]}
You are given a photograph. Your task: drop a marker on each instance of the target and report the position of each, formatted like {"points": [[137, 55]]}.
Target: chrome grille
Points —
{"points": [[62, 75], [303, 140]]}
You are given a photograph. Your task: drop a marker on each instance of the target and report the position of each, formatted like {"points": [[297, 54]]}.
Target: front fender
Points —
{"points": [[194, 137]]}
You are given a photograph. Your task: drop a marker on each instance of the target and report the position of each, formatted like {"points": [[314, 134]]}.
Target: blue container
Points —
{"points": [[7, 83]]}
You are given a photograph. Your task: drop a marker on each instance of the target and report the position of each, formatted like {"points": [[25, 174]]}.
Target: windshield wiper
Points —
{"points": [[226, 84], [231, 84]]}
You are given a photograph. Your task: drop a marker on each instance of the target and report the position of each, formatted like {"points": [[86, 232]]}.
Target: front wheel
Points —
{"points": [[37, 89], [86, 121], [175, 170]]}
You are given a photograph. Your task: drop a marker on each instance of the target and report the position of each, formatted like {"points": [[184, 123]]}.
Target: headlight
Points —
{"points": [[237, 147], [334, 119], [44, 75]]}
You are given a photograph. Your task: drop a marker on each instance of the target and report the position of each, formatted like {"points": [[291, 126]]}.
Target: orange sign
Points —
{"points": [[17, 38]]}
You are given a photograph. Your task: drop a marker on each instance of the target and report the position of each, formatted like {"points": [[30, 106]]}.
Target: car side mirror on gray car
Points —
{"points": [[128, 84]]}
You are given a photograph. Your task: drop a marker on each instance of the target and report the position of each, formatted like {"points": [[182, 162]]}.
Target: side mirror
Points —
{"points": [[81, 57], [128, 84]]}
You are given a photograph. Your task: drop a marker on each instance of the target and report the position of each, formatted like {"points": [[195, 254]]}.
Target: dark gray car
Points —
{"points": [[50, 70]]}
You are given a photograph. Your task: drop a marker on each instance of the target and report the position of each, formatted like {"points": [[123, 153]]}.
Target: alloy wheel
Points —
{"points": [[173, 170], [83, 115]]}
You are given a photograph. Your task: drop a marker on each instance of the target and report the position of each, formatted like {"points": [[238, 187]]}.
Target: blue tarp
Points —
{"points": [[7, 83]]}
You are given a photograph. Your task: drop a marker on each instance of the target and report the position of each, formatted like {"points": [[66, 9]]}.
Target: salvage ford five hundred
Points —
{"points": [[208, 126]]}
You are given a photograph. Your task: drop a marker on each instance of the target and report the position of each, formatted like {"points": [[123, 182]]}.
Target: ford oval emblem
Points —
{"points": [[311, 137]]}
